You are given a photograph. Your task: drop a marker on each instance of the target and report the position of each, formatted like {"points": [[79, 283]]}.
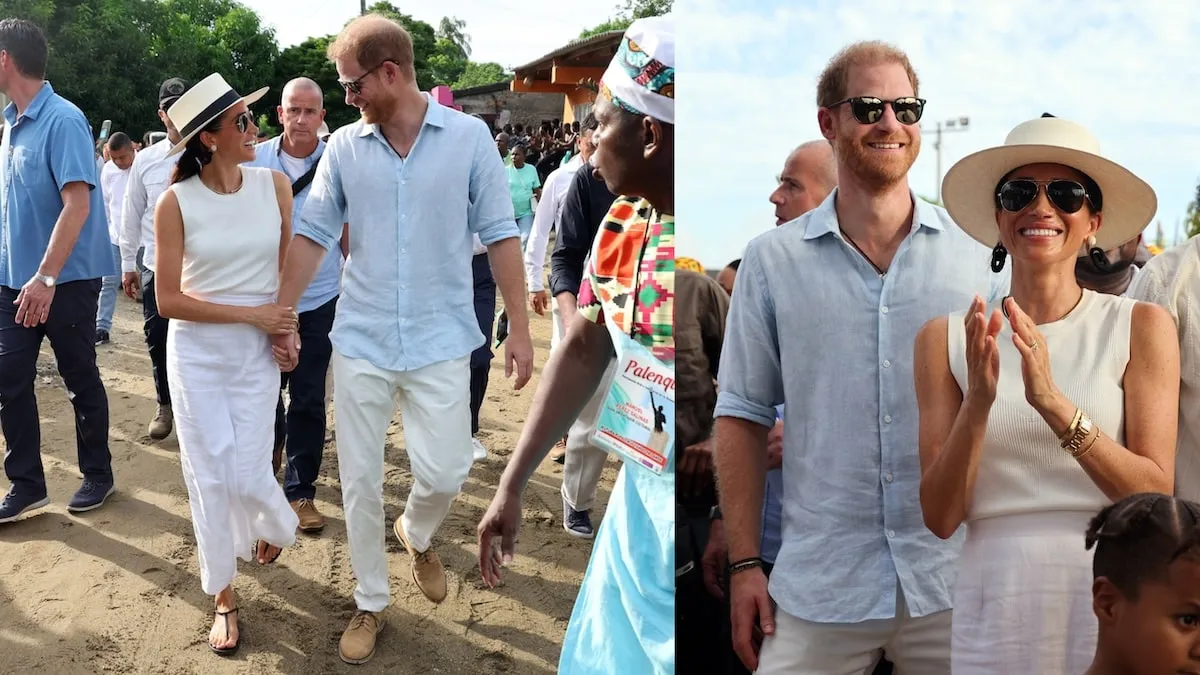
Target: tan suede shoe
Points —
{"points": [[160, 427], [427, 570], [311, 520], [358, 642]]}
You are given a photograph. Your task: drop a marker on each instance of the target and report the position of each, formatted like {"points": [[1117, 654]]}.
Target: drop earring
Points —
{"points": [[999, 255], [1097, 255]]}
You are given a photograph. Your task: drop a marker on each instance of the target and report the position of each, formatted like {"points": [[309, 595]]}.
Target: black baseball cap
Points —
{"points": [[171, 90]]}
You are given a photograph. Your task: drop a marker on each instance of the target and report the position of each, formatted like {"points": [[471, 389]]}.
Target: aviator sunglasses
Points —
{"points": [[355, 86], [1067, 196], [869, 109]]}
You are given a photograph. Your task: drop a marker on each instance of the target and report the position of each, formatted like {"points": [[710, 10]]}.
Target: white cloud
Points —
{"points": [[1126, 71]]}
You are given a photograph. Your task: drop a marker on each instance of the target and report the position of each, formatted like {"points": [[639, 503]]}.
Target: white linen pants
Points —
{"points": [[224, 384], [435, 407], [584, 462], [916, 646]]}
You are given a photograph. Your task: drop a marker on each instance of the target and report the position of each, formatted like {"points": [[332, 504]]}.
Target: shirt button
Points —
{"points": [[887, 363], [891, 534], [887, 419], [887, 477], [403, 250], [884, 309]]}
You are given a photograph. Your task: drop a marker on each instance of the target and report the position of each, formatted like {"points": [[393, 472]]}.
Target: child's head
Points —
{"points": [[1146, 588]]}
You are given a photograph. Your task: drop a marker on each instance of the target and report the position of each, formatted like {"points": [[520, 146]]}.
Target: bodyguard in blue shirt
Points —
{"points": [[301, 425], [54, 251]]}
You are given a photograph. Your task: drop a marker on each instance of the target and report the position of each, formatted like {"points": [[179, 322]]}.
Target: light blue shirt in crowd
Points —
{"points": [[812, 322], [407, 289], [328, 279], [49, 146]]}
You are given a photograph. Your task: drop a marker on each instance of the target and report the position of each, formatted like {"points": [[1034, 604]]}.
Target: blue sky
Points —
{"points": [[1126, 70]]}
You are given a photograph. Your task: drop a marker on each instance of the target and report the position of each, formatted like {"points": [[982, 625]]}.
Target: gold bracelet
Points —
{"points": [[1066, 436], [1095, 436], [1082, 431]]}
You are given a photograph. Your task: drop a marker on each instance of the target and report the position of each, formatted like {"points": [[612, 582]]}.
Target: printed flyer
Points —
{"points": [[637, 419]]}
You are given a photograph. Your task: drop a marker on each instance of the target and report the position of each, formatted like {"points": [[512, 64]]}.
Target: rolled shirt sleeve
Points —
{"points": [[751, 377], [324, 211], [73, 159], [490, 210]]}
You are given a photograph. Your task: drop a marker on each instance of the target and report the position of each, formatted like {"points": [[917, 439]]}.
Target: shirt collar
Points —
{"points": [[435, 116], [35, 106], [276, 146], [823, 219]]}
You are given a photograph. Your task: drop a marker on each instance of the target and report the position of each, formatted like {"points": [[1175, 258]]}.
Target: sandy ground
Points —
{"points": [[117, 590]]}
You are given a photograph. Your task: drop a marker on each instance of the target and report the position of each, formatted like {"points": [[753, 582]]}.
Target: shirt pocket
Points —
{"points": [[29, 169]]}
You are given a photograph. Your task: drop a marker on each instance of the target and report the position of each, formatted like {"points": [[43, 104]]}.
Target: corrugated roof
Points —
{"points": [[599, 38]]}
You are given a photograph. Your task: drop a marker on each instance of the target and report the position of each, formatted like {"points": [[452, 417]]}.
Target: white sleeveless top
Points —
{"points": [[230, 242], [1023, 468]]}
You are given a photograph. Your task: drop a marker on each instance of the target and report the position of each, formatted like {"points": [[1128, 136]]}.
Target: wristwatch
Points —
{"points": [[47, 280]]}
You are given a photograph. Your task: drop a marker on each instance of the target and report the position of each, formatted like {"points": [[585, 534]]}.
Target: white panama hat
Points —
{"points": [[1128, 202], [203, 103]]}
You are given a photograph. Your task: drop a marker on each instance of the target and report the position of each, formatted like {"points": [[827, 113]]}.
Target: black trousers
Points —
{"points": [[155, 328], [303, 421], [485, 313], [71, 329]]}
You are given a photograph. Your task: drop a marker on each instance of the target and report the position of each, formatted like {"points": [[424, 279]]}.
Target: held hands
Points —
{"points": [[33, 303], [286, 350], [275, 320], [983, 355], [1040, 389]]}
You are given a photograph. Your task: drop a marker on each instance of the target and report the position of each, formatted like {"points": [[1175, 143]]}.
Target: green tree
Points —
{"points": [[308, 59], [480, 74], [424, 39], [447, 64], [632, 9], [454, 29], [1191, 220]]}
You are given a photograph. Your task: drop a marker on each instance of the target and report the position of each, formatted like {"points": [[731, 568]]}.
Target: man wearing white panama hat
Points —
{"points": [[1040, 411], [824, 314], [414, 180]]}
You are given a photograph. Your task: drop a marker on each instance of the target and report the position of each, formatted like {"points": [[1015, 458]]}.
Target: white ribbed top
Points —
{"points": [[230, 242], [1023, 468]]}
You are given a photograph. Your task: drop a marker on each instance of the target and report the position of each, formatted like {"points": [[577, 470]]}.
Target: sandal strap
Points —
{"points": [[220, 613]]}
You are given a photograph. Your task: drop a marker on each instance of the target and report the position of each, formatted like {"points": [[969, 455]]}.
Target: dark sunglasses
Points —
{"points": [[1066, 195], [869, 109], [242, 122], [355, 86]]}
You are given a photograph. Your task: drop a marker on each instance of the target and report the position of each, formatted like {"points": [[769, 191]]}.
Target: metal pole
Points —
{"points": [[363, 7]]}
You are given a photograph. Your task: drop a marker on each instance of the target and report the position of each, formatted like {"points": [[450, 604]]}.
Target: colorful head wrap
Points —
{"points": [[641, 76], [690, 264]]}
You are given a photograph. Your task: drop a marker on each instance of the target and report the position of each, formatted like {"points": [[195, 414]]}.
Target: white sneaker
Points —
{"points": [[480, 451]]}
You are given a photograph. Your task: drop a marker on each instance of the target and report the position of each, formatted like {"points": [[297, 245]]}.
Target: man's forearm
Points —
{"points": [[509, 271], [569, 380], [303, 257], [741, 463], [567, 305], [66, 233]]}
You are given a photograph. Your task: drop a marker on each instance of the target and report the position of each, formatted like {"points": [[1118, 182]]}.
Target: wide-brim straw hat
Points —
{"points": [[969, 189], [203, 103]]}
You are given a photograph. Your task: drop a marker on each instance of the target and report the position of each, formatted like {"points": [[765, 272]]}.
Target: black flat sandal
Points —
{"points": [[269, 545], [226, 651]]}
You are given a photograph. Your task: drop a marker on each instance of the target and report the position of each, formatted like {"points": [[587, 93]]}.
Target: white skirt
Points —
{"points": [[224, 386], [1023, 601]]}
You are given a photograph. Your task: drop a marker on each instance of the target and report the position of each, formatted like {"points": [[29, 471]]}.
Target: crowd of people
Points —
{"points": [[968, 471], [263, 263]]}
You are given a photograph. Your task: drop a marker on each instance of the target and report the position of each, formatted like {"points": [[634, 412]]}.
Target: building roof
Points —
{"points": [[596, 50], [483, 89]]}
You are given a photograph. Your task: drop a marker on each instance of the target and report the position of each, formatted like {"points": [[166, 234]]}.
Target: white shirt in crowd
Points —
{"points": [[544, 218], [1172, 280], [149, 178], [113, 181]]}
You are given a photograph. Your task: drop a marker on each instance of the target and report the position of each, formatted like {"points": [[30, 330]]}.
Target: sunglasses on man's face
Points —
{"points": [[1067, 196], [355, 86], [869, 109]]}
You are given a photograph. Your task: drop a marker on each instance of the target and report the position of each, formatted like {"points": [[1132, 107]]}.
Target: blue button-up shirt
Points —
{"points": [[812, 322], [328, 279], [47, 147], [407, 289]]}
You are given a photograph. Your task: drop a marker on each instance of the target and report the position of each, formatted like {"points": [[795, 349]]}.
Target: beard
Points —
{"points": [[379, 110], [875, 170]]}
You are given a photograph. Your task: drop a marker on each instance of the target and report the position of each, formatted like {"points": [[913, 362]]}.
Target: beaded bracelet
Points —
{"points": [[743, 565]]}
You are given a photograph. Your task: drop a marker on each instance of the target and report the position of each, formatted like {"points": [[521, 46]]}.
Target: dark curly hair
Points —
{"points": [[195, 155], [1138, 538]]}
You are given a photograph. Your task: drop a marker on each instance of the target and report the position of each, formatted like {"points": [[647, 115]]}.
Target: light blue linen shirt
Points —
{"points": [[328, 279], [49, 146], [407, 290], [812, 322]]}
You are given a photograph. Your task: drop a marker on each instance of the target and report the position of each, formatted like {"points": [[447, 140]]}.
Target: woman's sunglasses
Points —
{"points": [[243, 122], [869, 109], [1066, 195]]}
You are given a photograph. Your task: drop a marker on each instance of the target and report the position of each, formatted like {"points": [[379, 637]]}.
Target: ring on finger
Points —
{"points": [[1033, 346]]}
